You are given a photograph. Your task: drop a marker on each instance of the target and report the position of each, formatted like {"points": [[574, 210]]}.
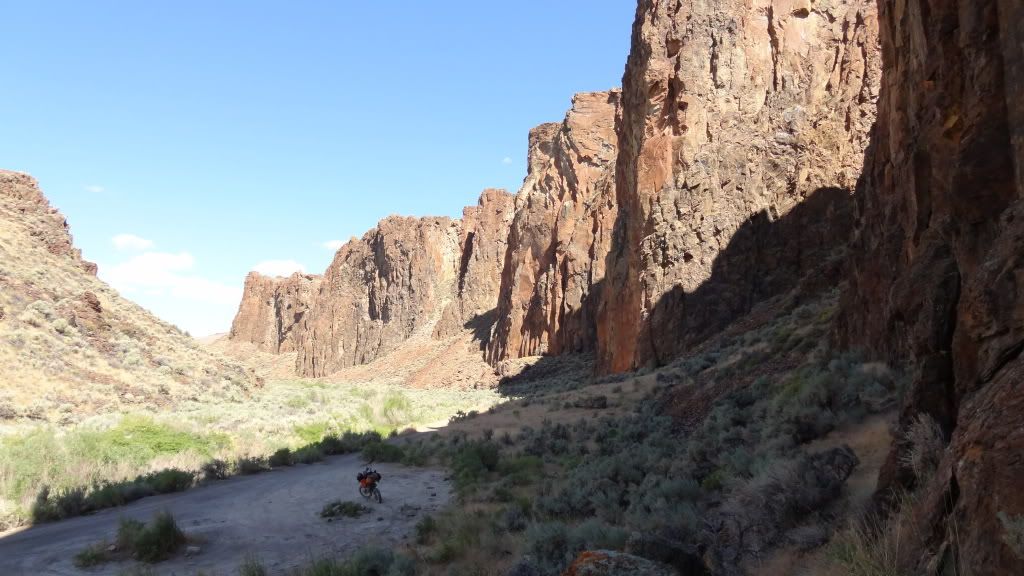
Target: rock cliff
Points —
{"points": [[734, 113], [561, 234], [483, 242], [271, 310], [937, 274], [406, 277]]}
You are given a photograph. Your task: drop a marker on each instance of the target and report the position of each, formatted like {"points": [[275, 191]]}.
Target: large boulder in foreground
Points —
{"points": [[610, 563]]}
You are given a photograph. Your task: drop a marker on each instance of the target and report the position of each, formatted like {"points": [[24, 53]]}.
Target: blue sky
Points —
{"points": [[189, 142]]}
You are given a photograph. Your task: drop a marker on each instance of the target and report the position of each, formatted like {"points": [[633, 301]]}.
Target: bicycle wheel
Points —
{"points": [[377, 496], [365, 492]]}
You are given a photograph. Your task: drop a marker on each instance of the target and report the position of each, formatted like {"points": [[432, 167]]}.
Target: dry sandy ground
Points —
{"points": [[272, 516]]}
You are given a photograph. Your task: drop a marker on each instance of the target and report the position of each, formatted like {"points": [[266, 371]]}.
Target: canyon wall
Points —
{"points": [[937, 277], [561, 234], [734, 114], [271, 310], [483, 243], [407, 277]]}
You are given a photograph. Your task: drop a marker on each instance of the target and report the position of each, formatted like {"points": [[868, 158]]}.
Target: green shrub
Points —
{"points": [[251, 465], [283, 457], [425, 528], [370, 561], [169, 480], [472, 461], [153, 542], [382, 452], [214, 470], [309, 454], [92, 555], [343, 508]]}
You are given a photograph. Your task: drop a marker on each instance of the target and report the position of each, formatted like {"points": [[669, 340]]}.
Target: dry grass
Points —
{"points": [[61, 359]]}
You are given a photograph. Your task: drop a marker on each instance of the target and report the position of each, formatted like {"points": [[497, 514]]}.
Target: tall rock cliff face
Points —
{"points": [[561, 234], [743, 130], [378, 291], [406, 277], [483, 242], [937, 281], [272, 309]]}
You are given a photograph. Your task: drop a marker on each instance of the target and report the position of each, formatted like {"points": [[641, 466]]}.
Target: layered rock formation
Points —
{"points": [[271, 310], [483, 241], [734, 113], [21, 193], [561, 235], [406, 277], [937, 278]]}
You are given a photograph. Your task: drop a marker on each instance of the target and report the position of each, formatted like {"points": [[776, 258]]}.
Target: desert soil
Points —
{"points": [[273, 517]]}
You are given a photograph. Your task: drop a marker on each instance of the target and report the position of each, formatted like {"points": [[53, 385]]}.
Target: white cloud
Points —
{"points": [[278, 267], [94, 188], [333, 244], [168, 284], [131, 243], [167, 274], [506, 160]]}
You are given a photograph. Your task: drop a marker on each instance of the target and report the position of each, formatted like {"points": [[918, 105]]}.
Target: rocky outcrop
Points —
{"points": [[483, 241], [378, 291], [937, 277], [561, 234], [21, 193], [271, 310], [612, 563], [733, 116], [407, 277]]}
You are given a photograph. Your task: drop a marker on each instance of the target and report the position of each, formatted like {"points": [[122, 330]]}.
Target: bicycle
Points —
{"points": [[368, 480]]}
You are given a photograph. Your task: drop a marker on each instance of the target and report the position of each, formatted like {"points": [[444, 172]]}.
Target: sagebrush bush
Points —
{"points": [[215, 470], [251, 465], [282, 457], [151, 542], [425, 529], [382, 452], [309, 454]]}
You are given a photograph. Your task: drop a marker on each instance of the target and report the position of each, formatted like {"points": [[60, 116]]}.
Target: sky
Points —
{"points": [[189, 142]]}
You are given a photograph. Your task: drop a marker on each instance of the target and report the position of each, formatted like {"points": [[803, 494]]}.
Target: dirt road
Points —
{"points": [[272, 516]]}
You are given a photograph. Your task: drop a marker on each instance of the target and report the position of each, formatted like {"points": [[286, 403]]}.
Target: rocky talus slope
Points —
{"points": [[938, 264], [70, 346], [742, 136]]}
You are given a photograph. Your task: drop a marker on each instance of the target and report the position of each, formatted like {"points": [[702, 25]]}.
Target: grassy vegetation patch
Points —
{"points": [[153, 542]]}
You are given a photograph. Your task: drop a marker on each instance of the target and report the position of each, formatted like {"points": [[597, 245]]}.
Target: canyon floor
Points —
{"points": [[273, 517]]}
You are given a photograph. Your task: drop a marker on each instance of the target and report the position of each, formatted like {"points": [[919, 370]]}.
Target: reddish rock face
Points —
{"points": [[22, 192], [379, 291], [734, 113], [937, 275], [483, 243], [272, 309], [408, 277], [561, 234]]}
